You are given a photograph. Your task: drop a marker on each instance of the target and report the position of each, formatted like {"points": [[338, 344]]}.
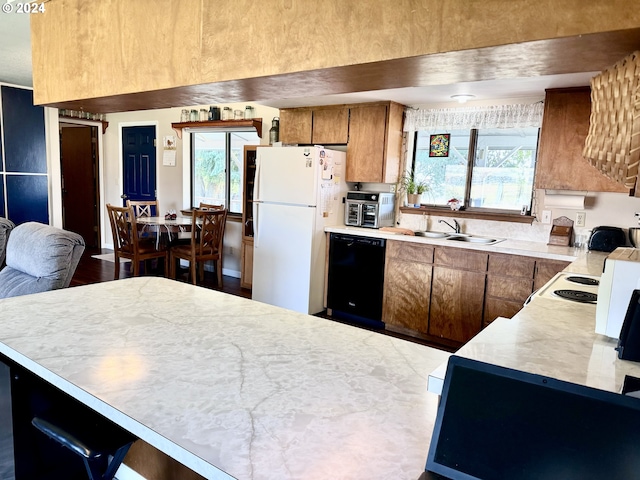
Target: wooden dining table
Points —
{"points": [[164, 227]]}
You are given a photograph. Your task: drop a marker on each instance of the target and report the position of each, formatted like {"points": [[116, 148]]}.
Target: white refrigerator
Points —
{"points": [[298, 191]]}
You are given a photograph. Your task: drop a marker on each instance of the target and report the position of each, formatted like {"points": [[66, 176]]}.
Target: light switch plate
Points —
{"points": [[546, 216]]}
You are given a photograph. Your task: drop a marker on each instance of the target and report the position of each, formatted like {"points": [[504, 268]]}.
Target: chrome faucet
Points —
{"points": [[455, 222]]}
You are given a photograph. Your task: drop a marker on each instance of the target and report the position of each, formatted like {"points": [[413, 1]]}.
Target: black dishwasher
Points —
{"points": [[356, 275]]}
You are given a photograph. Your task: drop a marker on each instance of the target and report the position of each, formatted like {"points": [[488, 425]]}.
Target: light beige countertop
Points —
{"points": [[228, 386], [515, 247]]}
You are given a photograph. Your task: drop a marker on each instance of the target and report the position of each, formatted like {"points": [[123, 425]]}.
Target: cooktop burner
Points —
{"points": [[577, 295], [583, 280]]}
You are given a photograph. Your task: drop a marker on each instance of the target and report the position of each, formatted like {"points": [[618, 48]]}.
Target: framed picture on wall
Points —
{"points": [[439, 145]]}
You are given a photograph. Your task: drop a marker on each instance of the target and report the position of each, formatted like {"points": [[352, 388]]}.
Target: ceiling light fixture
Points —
{"points": [[462, 98]]}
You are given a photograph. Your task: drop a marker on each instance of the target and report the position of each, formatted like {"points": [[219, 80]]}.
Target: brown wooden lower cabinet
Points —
{"points": [[246, 263], [509, 283], [448, 294], [546, 269], [457, 299], [407, 286]]}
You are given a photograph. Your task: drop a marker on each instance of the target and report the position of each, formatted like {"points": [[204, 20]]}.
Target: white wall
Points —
{"points": [[171, 181]]}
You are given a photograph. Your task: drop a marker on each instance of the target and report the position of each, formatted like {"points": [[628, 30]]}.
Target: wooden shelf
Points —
{"points": [[104, 123], [253, 123]]}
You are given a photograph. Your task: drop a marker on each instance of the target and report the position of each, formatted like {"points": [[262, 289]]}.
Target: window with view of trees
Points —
{"points": [[217, 167], [485, 168]]}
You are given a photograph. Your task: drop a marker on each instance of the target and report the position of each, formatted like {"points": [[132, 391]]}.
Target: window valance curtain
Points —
{"points": [[498, 116]]}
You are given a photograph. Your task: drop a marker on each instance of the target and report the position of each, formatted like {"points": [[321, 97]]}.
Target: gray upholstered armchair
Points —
{"points": [[5, 229], [39, 258]]}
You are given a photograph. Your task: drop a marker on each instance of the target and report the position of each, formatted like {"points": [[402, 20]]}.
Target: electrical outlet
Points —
{"points": [[546, 216], [392, 189], [580, 219]]}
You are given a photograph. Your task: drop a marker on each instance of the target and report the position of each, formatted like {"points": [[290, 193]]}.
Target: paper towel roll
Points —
{"points": [[564, 201]]}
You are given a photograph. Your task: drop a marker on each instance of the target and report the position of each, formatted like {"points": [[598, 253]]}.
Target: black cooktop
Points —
{"points": [[577, 295], [583, 280]]}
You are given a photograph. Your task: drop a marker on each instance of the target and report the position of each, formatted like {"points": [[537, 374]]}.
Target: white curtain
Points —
{"points": [[498, 116]]}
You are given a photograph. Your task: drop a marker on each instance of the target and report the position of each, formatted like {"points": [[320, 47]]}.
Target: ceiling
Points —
{"points": [[15, 49], [15, 58]]}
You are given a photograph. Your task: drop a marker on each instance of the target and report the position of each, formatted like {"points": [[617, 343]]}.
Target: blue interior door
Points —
{"points": [[139, 158]]}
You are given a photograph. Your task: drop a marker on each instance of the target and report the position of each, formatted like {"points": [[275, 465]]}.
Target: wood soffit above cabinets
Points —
{"points": [[591, 52]]}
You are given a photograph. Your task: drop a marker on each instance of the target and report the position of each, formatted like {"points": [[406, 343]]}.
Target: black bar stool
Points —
{"points": [[93, 441]]}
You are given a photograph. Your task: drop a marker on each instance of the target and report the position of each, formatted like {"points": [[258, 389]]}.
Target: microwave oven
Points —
{"points": [[370, 209], [620, 277]]}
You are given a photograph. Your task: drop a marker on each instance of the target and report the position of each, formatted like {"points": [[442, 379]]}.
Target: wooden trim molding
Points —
{"points": [[474, 214], [253, 123]]}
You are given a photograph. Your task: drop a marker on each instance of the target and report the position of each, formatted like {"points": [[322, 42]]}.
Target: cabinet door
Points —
{"points": [[246, 264], [457, 299], [295, 126], [407, 286], [509, 284], [407, 294], [330, 126], [565, 126], [365, 151], [546, 269]]}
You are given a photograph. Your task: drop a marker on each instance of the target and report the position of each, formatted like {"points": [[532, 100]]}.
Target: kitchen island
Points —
{"points": [[231, 387]]}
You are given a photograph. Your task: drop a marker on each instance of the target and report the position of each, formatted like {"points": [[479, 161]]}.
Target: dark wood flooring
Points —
{"points": [[92, 270]]}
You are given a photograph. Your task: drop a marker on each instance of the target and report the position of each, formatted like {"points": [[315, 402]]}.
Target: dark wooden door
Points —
{"points": [[139, 163], [78, 152]]}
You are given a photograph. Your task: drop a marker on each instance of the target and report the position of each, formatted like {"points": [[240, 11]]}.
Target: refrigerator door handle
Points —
{"points": [[256, 183], [256, 225]]}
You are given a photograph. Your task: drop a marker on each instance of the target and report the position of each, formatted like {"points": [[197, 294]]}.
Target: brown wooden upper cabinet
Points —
{"points": [[375, 143], [371, 131], [321, 126], [565, 126]]}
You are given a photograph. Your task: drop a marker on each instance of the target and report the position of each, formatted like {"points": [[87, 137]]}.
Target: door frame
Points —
{"points": [[55, 207]]}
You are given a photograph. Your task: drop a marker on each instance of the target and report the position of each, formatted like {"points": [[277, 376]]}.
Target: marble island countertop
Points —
{"points": [[515, 247], [228, 386]]}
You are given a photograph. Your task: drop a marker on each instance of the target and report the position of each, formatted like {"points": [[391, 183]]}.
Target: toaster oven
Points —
{"points": [[369, 209]]}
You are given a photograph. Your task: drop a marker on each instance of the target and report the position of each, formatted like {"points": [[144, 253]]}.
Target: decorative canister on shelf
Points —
{"points": [[274, 131], [193, 116], [238, 115], [204, 115], [454, 204], [227, 114], [184, 115], [248, 112]]}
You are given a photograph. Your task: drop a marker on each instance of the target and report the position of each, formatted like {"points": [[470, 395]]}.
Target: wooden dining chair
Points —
{"points": [[127, 244], [144, 208], [207, 234]]}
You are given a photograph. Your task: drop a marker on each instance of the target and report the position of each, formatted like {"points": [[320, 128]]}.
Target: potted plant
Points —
{"points": [[413, 188]]}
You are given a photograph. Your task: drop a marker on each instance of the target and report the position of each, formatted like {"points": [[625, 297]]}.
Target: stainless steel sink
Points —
{"points": [[420, 233], [472, 239]]}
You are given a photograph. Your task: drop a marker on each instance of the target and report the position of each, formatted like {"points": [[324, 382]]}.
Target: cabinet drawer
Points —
{"points": [[411, 252], [509, 288], [512, 265], [461, 259]]}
